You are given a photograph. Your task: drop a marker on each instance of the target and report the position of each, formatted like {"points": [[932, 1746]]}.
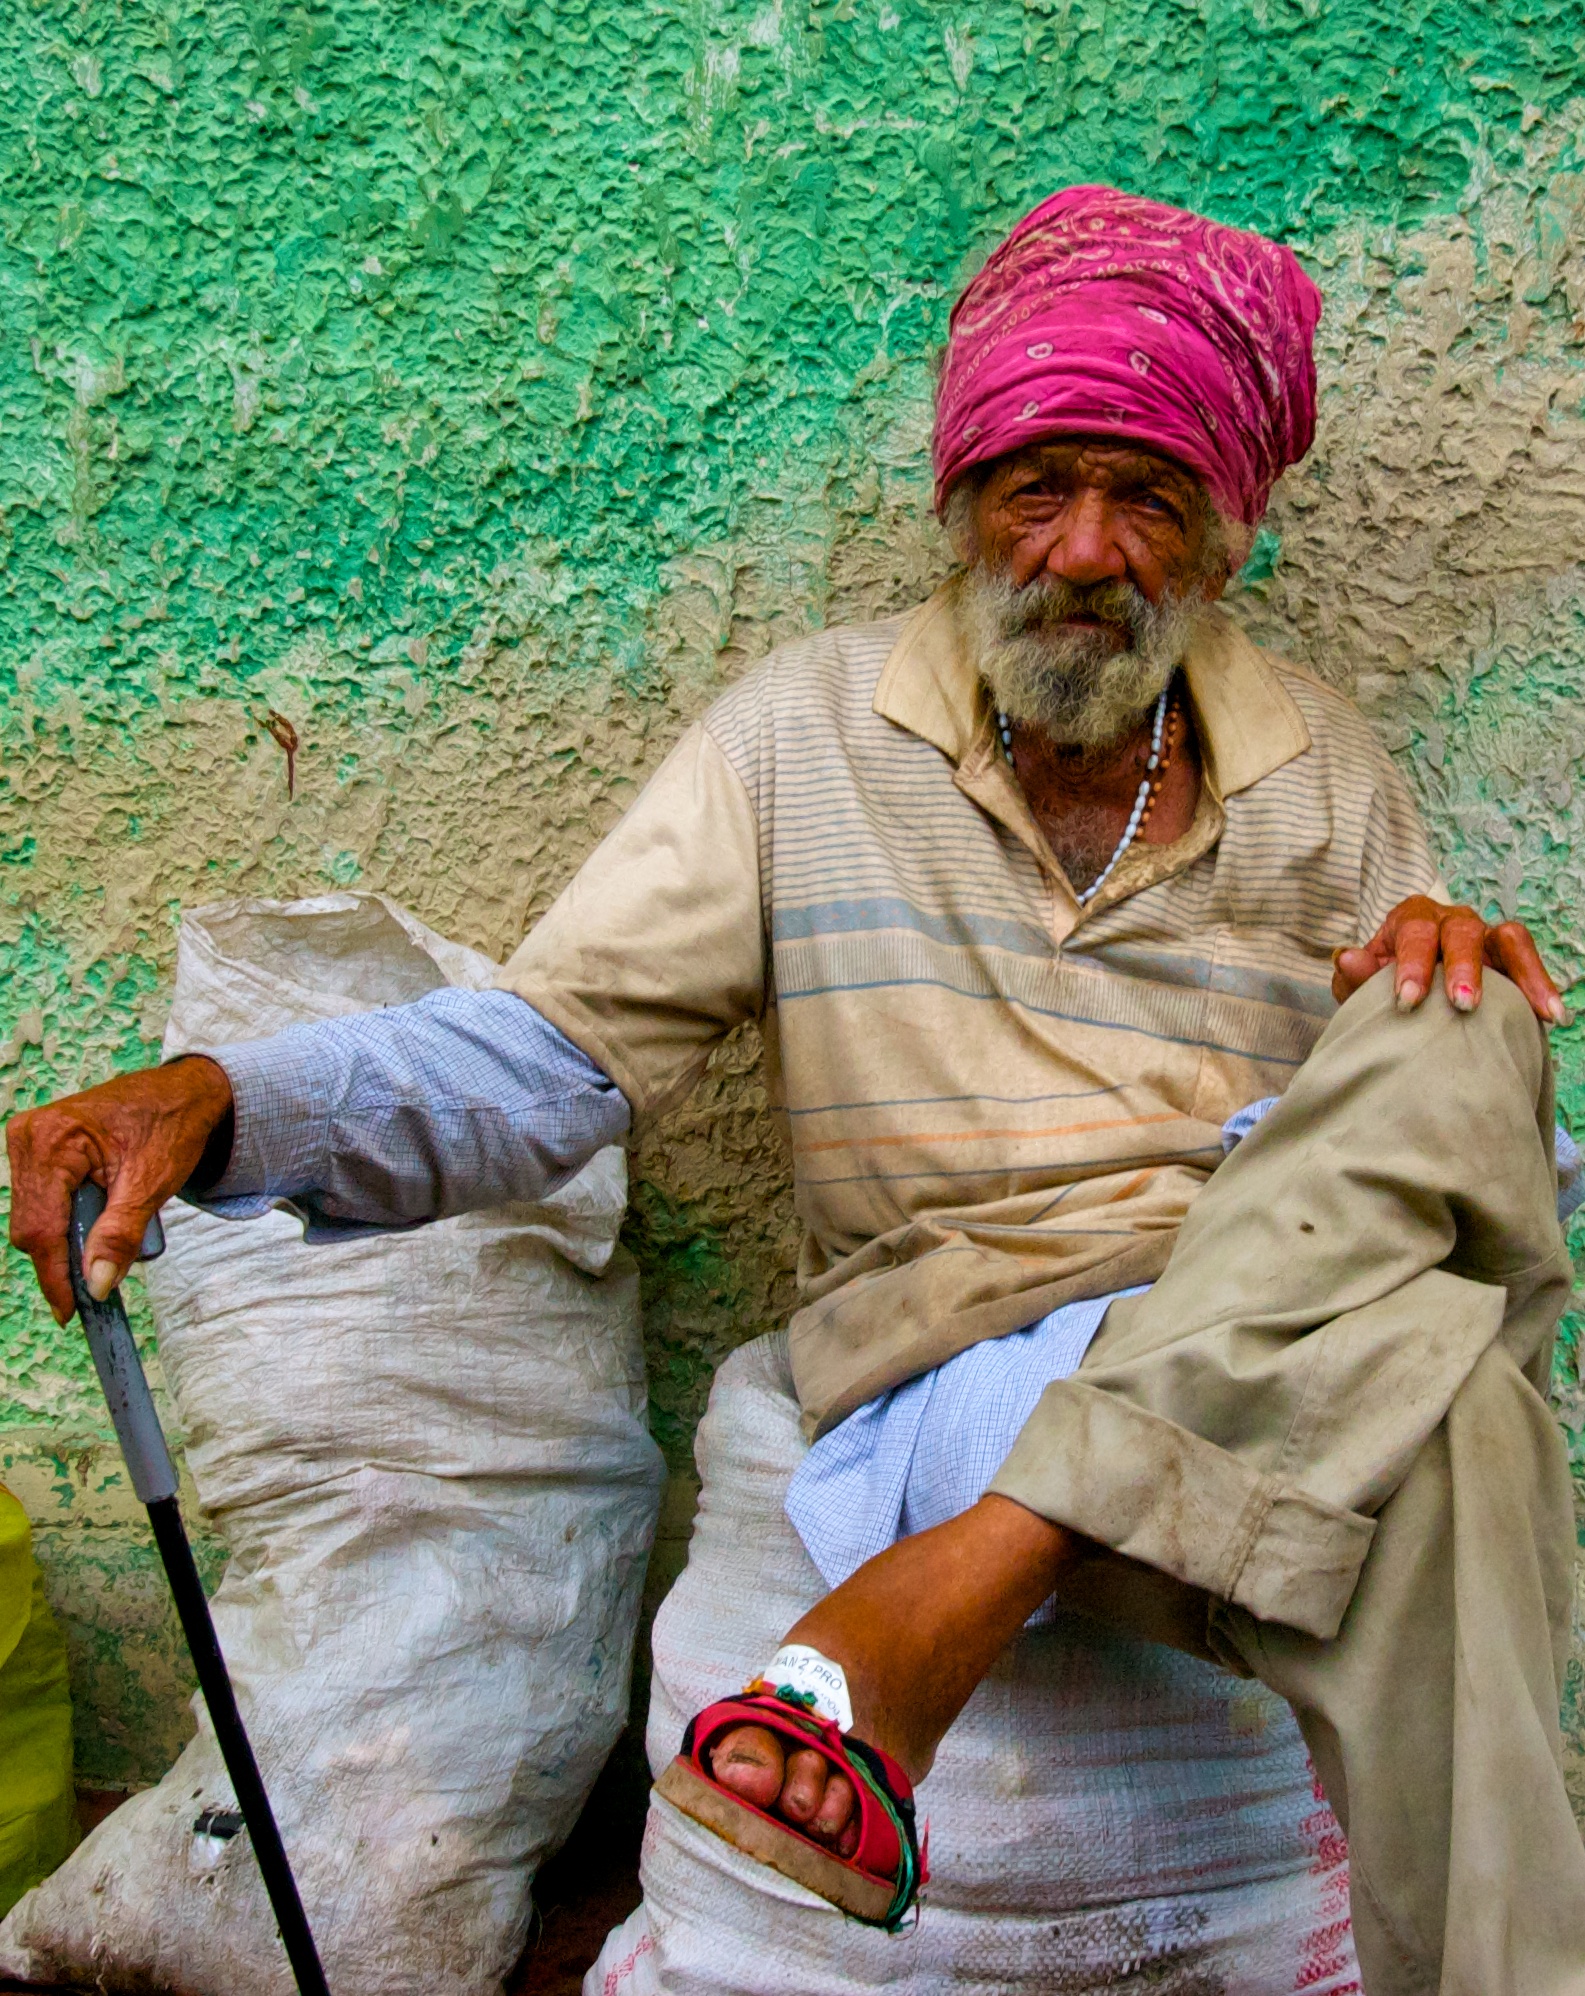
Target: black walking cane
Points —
{"points": [[153, 1476]]}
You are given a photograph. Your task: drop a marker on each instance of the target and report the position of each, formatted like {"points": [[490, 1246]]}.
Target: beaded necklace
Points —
{"points": [[1149, 788]]}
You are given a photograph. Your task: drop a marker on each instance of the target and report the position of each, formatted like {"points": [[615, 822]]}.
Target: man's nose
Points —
{"points": [[1086, 548]]}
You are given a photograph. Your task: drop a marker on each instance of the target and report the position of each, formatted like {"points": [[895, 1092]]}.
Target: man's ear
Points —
{"points": [[959, 522], [1231, 541]]}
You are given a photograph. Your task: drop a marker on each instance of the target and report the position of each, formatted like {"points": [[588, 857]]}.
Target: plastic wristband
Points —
{"points": [[812, 1680]]}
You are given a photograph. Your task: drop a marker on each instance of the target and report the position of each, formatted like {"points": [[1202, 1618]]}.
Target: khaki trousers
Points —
{"points": [[1319, 1445]]}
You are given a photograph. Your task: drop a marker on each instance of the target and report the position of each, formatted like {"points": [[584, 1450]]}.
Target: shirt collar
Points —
{"points": [[1245, 719]]}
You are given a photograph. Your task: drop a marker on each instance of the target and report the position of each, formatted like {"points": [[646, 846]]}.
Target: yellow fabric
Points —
{"points": [[997, 1101], [38, 1823]]}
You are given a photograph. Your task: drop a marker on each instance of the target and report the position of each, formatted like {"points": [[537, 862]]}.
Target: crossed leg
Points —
{"points": [[1331, 1303]]}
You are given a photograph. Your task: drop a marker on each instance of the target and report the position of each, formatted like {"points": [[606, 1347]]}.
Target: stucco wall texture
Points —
{"points": [[479, 386]]}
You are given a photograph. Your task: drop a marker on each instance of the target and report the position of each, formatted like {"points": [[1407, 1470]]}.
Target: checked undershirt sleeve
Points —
{"points": [[462, 1101]]}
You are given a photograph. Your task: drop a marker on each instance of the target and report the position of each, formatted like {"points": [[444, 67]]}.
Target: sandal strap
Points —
{"points": [[879, 1784]]}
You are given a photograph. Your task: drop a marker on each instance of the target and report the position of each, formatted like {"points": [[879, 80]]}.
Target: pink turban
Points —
{"points": [[1113, 316]]}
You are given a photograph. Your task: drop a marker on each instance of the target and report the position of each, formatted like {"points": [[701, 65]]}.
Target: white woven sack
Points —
{"points": [[1105, 1815], [427, 1456]]}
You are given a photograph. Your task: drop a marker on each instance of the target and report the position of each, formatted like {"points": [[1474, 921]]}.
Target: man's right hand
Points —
{"points": [[140, 1136]]}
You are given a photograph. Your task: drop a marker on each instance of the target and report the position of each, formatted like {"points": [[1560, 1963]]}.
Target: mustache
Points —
{"points": [[1044, 606], [1085, 685]]}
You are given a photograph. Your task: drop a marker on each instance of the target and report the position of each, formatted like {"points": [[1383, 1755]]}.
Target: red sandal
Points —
{"points": [[880, 1882]]}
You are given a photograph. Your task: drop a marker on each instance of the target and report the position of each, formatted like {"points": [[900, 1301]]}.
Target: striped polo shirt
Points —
{"points": [[997, 1101]]}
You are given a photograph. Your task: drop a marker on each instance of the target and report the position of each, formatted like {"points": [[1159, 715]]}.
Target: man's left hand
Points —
{"points": [[1420, 930]]}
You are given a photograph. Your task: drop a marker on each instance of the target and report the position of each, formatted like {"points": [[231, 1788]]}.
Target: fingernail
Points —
{"points": [[1409, 995], [1557, 1012], [1463, 996], [101, 1279]]}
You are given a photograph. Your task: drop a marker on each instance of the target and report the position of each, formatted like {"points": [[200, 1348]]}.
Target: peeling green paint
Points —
{"points": [[477, 386], [692, 1293]]}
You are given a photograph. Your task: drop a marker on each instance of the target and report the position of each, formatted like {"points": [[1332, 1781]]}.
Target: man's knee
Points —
{"points": [[1501, 1037]]}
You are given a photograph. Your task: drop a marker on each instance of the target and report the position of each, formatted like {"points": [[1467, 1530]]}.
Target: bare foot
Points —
{"points": [[916, 1628], [802, 1788]]}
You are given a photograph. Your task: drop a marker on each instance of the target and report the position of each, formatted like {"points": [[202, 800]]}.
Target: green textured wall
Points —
{"points": [[477, 386]]}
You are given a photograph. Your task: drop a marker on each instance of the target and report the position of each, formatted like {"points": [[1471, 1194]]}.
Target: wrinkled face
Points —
{"points": [[1087, 560], [1089, 510]]}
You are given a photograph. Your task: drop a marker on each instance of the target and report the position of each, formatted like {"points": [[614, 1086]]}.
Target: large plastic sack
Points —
{"points": [[1105, 1815], [427, 1456], [38, 1819], [626, 1964]]}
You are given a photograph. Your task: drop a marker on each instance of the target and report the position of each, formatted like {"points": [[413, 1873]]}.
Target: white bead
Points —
{"points": [[1141, 800]]}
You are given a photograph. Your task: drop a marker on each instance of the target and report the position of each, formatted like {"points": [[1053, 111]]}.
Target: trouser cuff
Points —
{"points": [[1116, 1473]]}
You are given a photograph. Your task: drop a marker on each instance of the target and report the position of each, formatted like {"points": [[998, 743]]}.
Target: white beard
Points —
{"points": [[1072, 684]]}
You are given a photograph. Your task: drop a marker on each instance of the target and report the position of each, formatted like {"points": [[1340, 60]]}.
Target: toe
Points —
{"points": [[748, 1761], [836, 1811], [804, 1789]]}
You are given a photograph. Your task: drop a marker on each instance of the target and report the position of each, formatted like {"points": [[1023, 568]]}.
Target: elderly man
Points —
{"points": [[1031, 892]]}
